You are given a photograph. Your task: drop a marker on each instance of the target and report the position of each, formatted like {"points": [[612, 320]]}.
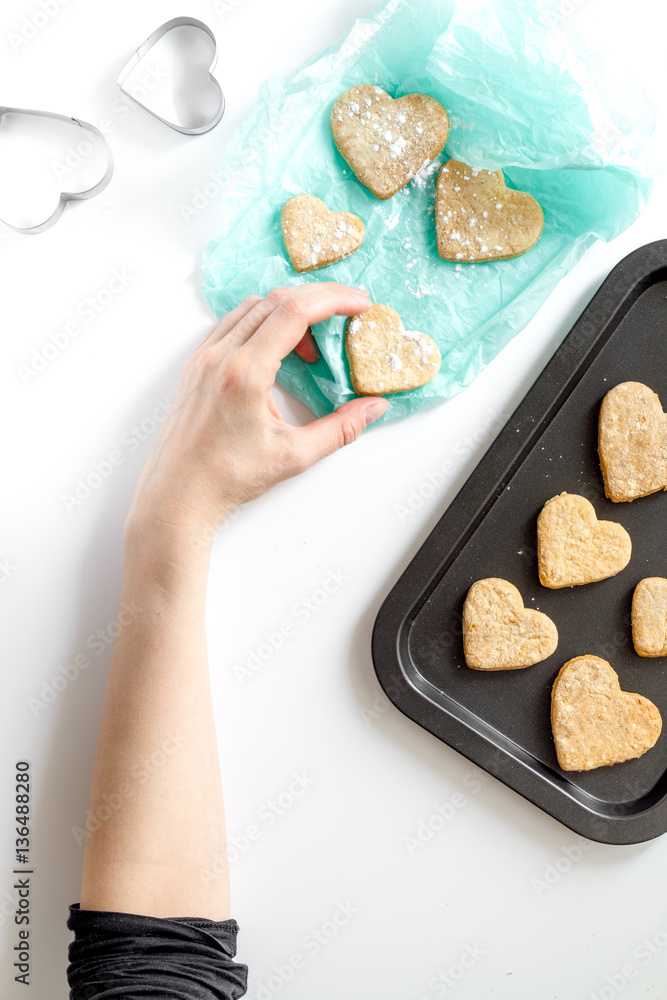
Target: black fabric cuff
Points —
{"points": [[135, 957]]}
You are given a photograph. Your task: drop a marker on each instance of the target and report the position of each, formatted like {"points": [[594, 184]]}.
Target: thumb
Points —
{"points": [[343, 426]]}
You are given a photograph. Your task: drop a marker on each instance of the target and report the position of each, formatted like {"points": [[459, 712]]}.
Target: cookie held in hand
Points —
{"points": [[649, 616], [574, 548], [385, 357], [594, 723], [632, 442], [478, 219], [315, 236], [499, 633], [386, 141]]}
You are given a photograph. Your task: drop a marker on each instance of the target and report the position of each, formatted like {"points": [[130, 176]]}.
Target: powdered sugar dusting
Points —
{"points": [[397, 146]]}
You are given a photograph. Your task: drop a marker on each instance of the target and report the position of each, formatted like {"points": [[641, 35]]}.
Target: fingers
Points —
{"points": [[307, 348], [343, 426], [237, 327], [256, 310], [249, 322], [294, 310], [229, 321]]}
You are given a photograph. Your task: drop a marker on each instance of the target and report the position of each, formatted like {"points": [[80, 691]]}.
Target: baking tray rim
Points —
{"points": [[646, 817]]}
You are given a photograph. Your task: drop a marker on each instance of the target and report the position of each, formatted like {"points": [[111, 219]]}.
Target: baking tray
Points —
{"points": [[501, 720]]}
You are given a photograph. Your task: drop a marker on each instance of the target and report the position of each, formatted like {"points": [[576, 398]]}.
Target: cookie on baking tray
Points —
{"points": [[499, 633], [632, 442], [649, 616], [314, 236], [385, 357], [574, 548], [478, 218], [385, 140], [594, 723]]}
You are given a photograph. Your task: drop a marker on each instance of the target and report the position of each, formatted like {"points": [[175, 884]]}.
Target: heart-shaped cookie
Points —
{"points": [[649, 616], [594, 723], [314, 236], [477, 218], [386, 140], [385, 357], [574, 548], [632, 442], [499, 633]]}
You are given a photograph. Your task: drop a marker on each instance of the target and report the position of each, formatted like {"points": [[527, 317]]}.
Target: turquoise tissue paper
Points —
{"points": [[521, 96]]}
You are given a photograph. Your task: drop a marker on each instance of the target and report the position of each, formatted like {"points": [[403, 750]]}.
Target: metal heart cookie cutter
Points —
{"points": [[195, 109], [65, 196]]}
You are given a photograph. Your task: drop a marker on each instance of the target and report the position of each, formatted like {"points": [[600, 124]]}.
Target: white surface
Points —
{"points": [[374, 780]]}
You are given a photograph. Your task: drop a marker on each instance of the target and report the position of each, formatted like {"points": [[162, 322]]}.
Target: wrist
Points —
{"points": [[165, 575], [163, 543], [192, 532]]}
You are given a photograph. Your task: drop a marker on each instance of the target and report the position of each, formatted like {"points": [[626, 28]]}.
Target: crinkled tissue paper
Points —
{"points": [[521, 96]]}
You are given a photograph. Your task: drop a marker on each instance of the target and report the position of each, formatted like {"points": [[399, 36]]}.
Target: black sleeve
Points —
{"points": [[126, 956]]}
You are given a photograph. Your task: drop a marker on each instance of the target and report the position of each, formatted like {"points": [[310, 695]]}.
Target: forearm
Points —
{"points": [[156, 819], [156, 836]]}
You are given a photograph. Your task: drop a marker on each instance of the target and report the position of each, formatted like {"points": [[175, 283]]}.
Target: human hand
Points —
{"points": [[223, 441]]}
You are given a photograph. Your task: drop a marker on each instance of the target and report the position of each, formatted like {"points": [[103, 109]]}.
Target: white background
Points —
{"points": [[314, 707]]}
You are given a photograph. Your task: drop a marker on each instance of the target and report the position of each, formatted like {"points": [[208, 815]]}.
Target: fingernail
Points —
{"points": [[375, 410], [361, 291]]}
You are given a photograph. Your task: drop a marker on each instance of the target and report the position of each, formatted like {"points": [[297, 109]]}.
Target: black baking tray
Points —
{"points": [[501, 720]]}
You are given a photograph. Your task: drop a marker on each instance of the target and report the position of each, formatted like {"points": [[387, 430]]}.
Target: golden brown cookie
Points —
{"points": [[387, 141], [499, 633], [632, 442], [315, 236], [594, 723], [649, 616], [477, 218], [385, 357], [574, 548]]}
